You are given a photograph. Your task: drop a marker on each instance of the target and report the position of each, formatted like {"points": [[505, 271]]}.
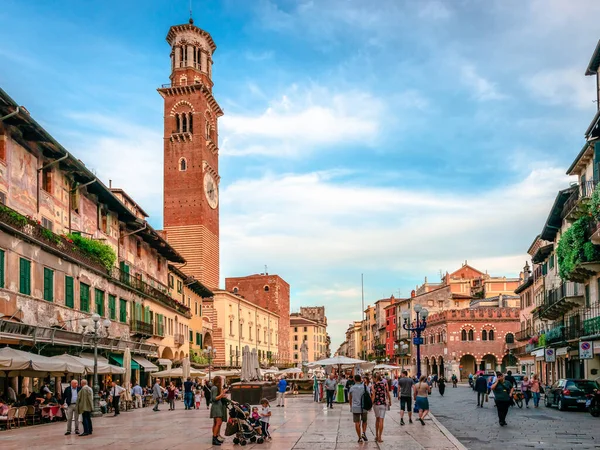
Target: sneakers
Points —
{"points": [[422, 421], [216, 441], [364, 437], [409, 420], [360, 440], [401, 421], [67, 433]]}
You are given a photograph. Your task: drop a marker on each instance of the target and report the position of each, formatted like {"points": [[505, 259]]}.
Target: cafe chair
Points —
{"points": [[21, 416], [32, 415], [8, 421]]}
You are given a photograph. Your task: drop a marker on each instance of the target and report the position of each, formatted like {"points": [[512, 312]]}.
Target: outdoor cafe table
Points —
{"points": [[51, 411]]}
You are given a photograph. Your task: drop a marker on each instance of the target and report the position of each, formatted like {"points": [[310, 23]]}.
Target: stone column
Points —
{"points": [[190, 52]]}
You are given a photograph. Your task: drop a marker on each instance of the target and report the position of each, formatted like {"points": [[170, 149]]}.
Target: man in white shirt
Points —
{"points": [[70, 405], [115, 392]]}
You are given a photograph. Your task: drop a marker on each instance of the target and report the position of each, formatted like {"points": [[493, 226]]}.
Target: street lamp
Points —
{"points": [[95, 334], [210, 353], [419, 326]]}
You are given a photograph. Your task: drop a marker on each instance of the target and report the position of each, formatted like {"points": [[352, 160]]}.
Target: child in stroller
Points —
{"points": [[241, 424]]}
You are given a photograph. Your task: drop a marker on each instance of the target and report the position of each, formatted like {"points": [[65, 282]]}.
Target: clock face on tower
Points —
{"points": [[211, 190]]}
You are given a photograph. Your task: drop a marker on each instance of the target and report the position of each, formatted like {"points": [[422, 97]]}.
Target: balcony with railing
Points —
{"points": [[141, 328], [591, 321], [149, 291], [523, 335], [576, 205], [559, 301], [179, 339]]}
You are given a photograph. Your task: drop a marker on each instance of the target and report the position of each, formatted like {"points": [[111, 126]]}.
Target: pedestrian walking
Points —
{"points": [[357, 396], [156, 394], [526, 390], [380, 396], [481, 387], [281, 388], [454, 380], [218, 410], [503, 391], [188, 393], [115, 393], [70, 406], [265, 418], [422, 391], [536, 390], [136, 393], [330, 386], [85, 406], [441, 385], [171, 392], [395, 386], [405, 388]]}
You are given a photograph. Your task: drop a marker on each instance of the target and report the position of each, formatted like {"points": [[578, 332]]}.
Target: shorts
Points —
{"points": [[422, 403], [360, 417], [406, 404], [380, 411]]}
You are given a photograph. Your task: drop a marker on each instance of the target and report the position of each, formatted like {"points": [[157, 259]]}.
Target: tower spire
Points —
{"points": [[191, 18]]}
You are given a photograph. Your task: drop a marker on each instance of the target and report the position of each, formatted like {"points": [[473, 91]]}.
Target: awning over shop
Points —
{"points": [[119, 360], [91, 356], [146, 365]]}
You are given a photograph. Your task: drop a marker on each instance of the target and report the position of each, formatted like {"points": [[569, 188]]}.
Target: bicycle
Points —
{"points": [[518, 398]]}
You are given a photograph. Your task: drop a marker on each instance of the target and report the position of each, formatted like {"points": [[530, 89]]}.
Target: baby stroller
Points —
{"points": [[240, 425]]}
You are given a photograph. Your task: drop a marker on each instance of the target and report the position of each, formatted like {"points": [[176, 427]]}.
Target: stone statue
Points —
{"points": [[304, 352]]}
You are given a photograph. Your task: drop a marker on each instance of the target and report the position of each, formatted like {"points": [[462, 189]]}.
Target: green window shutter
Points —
{"points": [[596, 161], [99, 302], [84, 297], [112, 307], [25, 276], [48, 284], [147, 314], [2, 269], [138, 312], [69, 294], [198, 338], [122, 310], [191, 336], [587, 296]]}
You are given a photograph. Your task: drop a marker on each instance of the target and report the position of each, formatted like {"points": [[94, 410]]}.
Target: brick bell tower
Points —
{"points": [[191, 153]]}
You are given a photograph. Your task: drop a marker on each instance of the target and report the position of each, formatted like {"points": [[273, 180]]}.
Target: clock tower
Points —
{"points": [[191, 153]]}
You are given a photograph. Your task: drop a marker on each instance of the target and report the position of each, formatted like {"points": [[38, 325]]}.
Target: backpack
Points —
{"points": [[366, 401]]}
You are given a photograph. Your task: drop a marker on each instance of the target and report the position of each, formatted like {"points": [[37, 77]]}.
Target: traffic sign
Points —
{"points": [[418, 341]]}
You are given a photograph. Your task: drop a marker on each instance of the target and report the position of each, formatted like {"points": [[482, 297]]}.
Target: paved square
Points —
{"points": [[302, 424]]}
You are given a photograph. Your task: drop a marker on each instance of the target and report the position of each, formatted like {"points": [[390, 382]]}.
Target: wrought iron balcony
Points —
{"points": [[566, 297], [524, 335], [149, 291], [142, 328], [575, 206]]}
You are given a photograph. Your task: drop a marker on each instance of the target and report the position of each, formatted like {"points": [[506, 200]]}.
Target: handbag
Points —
{"points": [[231, 428], [541, 389]]}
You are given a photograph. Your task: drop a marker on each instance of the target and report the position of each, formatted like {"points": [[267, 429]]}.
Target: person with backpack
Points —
{"points": [[360, 405]]}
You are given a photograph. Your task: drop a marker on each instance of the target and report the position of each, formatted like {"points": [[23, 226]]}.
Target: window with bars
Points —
{"points": [[48, 284], [25, 276], [84, 297], [112, 307]]}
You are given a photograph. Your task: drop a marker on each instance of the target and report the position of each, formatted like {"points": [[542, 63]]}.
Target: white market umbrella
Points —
{"points": [[339, 360], [29, 364], [127, 377], [255, 365], [103, 368], [185, 367], [386, 367], [178, 373]]}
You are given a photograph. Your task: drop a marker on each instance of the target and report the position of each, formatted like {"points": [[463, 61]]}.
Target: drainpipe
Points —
{"points": [[70, 204], [14, 113], [50, 164]]}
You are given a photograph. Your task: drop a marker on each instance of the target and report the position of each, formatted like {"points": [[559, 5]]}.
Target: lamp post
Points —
{"points": [[210, 353], [95, 334], [403, 352], [418, 327]]}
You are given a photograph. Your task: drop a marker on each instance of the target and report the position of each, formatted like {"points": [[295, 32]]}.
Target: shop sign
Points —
{"points": [[550, 355], [586, 350]]}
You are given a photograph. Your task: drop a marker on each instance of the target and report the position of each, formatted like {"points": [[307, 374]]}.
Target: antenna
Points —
{"points": [[191, 18]]}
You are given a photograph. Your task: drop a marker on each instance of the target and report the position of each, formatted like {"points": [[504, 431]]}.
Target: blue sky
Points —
{"points": [[395, 141]]}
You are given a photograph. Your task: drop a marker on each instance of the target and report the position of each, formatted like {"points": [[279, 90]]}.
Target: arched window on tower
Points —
{"points": [[195, 58], [510, 338], [491, 335], [463, 335], [190, 123], [484, 335], [182, 165], [177, 124], [471, 335], [184, 123]]}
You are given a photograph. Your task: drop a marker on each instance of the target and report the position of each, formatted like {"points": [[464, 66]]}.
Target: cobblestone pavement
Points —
{"points": [[477, 428], [302, 424]]}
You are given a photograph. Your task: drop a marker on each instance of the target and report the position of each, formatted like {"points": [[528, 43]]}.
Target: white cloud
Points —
{"points": [[318, 232], [300, 121], [259, 56], [482, 88], [562, 87]]}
